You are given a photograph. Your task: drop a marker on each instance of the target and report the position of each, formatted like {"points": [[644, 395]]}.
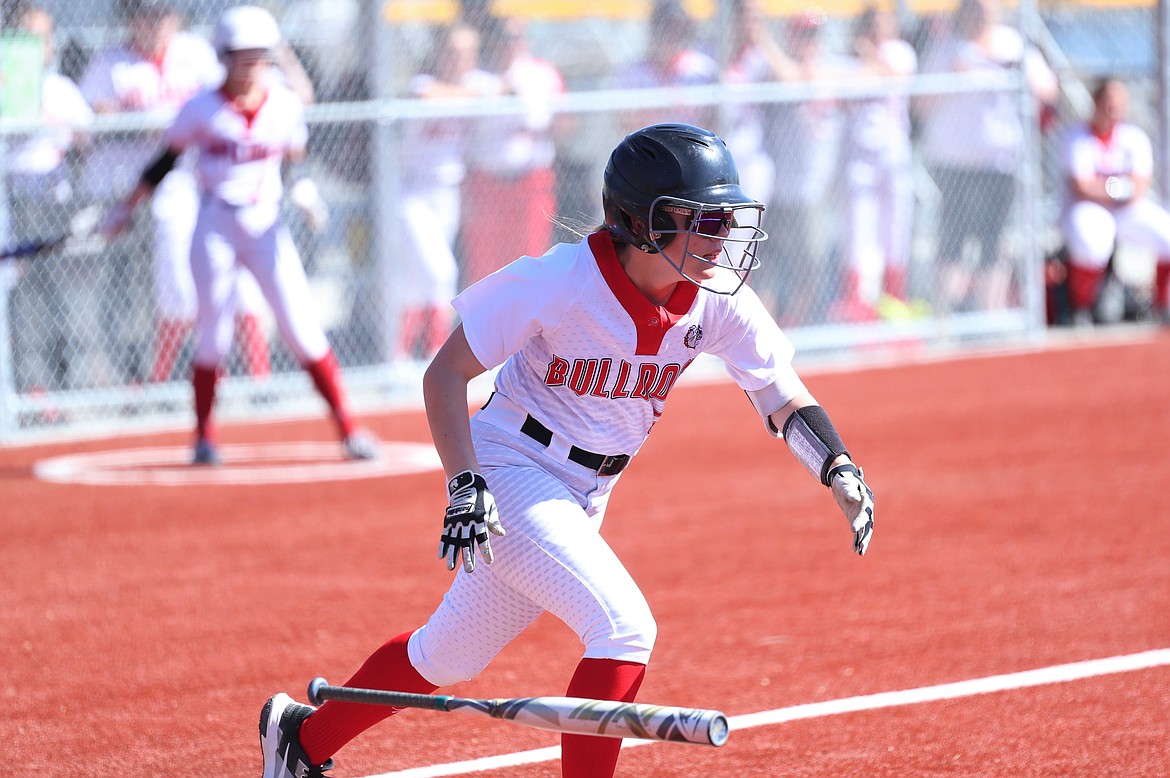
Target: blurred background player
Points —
{"points": [[973, 143], [878, 175], [243, 131], [433, 165], [53, 332], [510, 191], [804, 140], [1108, 164], [671, 58], [156, 69]]}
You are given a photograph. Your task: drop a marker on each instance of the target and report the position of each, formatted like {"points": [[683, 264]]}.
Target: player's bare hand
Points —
{"points": [[855, 499], [116, 222], [471, 515]]}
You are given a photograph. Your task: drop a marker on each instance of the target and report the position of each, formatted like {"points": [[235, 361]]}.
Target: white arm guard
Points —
{"points": [[813, 440], [775, 396]]}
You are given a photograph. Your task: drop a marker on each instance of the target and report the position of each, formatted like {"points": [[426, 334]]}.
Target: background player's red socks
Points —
{"points": [[1083, 284], [203, 379], [168, 340], [1162, 284], [336, 723], [254, 345], [326, 375], [587, 756]]}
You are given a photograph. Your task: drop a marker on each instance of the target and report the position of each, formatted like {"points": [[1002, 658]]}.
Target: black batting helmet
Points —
{"points": [[684, 169]]}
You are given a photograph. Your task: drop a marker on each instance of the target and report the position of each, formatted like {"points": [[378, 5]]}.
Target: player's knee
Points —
{"points": [[444, 663], [632, 640]]}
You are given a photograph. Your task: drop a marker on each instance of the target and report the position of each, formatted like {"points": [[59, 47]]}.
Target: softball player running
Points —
{"points": [[591, 338], [243, 132]]}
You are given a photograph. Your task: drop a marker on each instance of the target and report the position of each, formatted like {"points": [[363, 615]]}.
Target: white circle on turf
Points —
{"points": [[244, 464]]}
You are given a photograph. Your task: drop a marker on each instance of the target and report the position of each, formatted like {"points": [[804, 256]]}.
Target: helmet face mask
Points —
{"points": [[675, 182], [721, 236]]}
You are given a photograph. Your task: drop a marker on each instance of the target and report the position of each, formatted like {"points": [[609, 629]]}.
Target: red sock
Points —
{"points": [[1083, 284], [254, 344], [1162, 284], [894, 282], [168, 340], [586, 756], [204, 379], [326, 375], [336, 723]]}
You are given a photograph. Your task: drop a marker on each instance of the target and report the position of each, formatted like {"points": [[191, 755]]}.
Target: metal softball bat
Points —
{"points": [[575, 715]]}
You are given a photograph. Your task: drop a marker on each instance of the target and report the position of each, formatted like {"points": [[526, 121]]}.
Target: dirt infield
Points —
{"points": [[1022, 522]]}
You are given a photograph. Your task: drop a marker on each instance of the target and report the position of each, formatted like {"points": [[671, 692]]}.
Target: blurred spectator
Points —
{"points": [[879, 196], [49, 333], [433, 169], [157, 69], [671, 59], [510, 192], [973, 143], [804, 140], [755, 58], [1108, 165]]}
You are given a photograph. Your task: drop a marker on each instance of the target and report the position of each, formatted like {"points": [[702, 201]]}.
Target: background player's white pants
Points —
{"points": [[879, 211], [175, 206], [551, 559], [228, 237], [427, 273], [1090, 231]]}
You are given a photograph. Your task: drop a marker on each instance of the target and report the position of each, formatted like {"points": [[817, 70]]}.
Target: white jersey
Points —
{"points": [[240, 154], [514, 146], [119, 79], [1125, 152], [585, 353]]}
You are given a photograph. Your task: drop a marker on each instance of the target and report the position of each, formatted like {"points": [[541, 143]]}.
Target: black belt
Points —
{"points": [[602, 464]]}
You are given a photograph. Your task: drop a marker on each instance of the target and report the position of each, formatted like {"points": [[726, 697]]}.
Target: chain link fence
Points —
{"points": [[911, 186]]}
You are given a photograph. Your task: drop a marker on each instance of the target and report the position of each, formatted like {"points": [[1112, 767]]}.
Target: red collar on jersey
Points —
{"points": [[248, 116], [1105, 136], [651, 321]]}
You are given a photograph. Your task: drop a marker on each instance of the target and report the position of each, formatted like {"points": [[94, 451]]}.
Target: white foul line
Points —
{"points": [[948, 691]]}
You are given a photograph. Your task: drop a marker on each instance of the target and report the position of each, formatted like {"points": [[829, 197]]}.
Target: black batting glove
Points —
{"points": [[471, 515]]}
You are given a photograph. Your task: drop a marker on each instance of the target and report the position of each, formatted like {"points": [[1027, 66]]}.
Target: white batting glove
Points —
{"points": [[855, 499], [471, 514], [116, 222]]}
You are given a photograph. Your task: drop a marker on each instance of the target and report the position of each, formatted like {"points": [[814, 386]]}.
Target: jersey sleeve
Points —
{"points": [[757, 355], [299, 133], [182, 131], [502, 311]]}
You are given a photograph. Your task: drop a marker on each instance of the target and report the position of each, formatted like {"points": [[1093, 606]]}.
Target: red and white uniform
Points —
{"points": [[1090, 229], [879, 183], [511, 185], [120, 79], [238, 166], [589, 357]]}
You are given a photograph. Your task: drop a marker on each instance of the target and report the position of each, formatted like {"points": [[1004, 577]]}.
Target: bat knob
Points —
{"points": [[315, 687]]}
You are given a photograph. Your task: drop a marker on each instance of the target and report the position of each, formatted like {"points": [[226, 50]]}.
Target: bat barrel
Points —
{"points": [[608, 718]]}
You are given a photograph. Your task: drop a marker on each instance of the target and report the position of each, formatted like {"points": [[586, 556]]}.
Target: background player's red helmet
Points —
{"points": [[681, 168]]}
